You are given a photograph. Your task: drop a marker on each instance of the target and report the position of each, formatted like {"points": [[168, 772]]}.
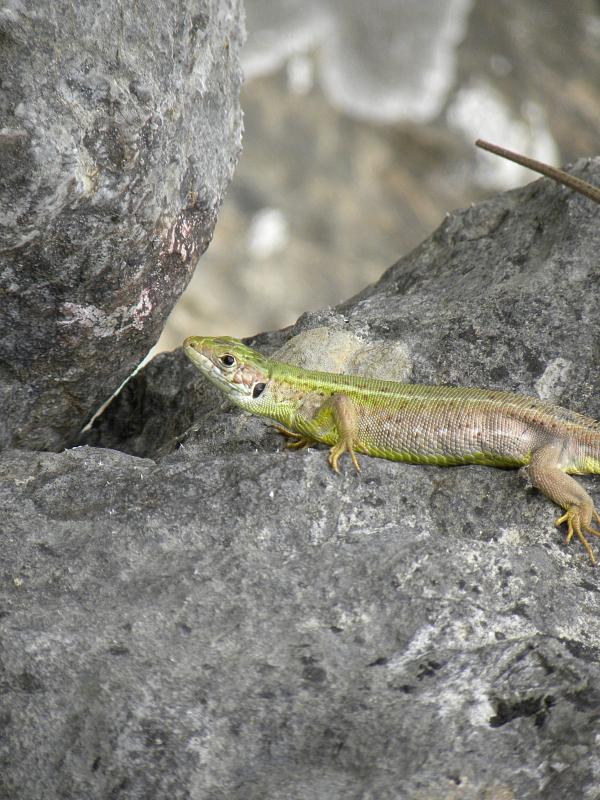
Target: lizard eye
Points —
{"points": [[227, 359], [258, 389]]}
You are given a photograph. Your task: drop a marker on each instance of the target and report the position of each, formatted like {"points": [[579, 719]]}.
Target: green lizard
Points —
{"points": [[440, 425]]}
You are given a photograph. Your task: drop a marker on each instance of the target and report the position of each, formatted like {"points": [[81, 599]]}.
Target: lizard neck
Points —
{"points": [[285, 391]]}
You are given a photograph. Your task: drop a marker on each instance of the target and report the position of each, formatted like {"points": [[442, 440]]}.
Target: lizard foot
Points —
{"points": [[298, 440], [578, 523], [336, 451], [286, 432], [299, 443]]}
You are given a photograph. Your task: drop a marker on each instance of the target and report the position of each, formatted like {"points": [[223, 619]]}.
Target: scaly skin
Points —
{"points": [[440, 425]]}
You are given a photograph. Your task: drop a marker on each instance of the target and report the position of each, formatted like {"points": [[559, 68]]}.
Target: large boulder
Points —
{"points": [[119, 130], [213, 618]]}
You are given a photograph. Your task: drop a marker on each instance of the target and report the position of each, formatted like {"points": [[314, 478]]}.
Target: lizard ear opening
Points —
{"points": [[258, 389]]}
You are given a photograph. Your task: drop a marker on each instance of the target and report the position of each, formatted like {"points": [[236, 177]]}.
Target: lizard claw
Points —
{"points": [[299, 443], [298, 439], [336, 451], [285, 432], [333, 458], [578, 525]]}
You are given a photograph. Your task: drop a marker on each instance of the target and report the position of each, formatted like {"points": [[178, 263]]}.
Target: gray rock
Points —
{"points": [[230, 621], [119, 130]]}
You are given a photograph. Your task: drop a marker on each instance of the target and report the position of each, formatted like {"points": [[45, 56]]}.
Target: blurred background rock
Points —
{"points": [[359, 126]]}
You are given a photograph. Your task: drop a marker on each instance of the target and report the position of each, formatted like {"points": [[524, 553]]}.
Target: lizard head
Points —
{"points": [[239, 371]]}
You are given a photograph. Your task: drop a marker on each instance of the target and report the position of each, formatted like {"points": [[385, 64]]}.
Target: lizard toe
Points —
{"points": [[285, 432], [577, 526], [354, 460], [299, 444]]}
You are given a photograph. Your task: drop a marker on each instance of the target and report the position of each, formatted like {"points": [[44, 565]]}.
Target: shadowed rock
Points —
{"points": [[119, 130]]}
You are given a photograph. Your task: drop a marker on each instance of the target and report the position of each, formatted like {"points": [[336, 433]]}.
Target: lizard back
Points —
{"points": [[436, 424]]}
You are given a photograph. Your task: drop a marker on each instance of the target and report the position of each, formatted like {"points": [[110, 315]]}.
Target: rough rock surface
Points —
{"points": [[119, 130], [233, 622]]}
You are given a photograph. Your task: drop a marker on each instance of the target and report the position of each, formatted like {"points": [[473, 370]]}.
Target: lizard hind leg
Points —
{"points": [[547, 476]]}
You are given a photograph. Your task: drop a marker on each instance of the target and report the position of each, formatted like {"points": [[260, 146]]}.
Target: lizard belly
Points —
{"points": [[445, 436]]}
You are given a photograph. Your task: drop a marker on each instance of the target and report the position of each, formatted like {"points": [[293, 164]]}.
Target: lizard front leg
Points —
{"points": [[549, 478], [332, 420], [346, 423], [298, 440]]}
